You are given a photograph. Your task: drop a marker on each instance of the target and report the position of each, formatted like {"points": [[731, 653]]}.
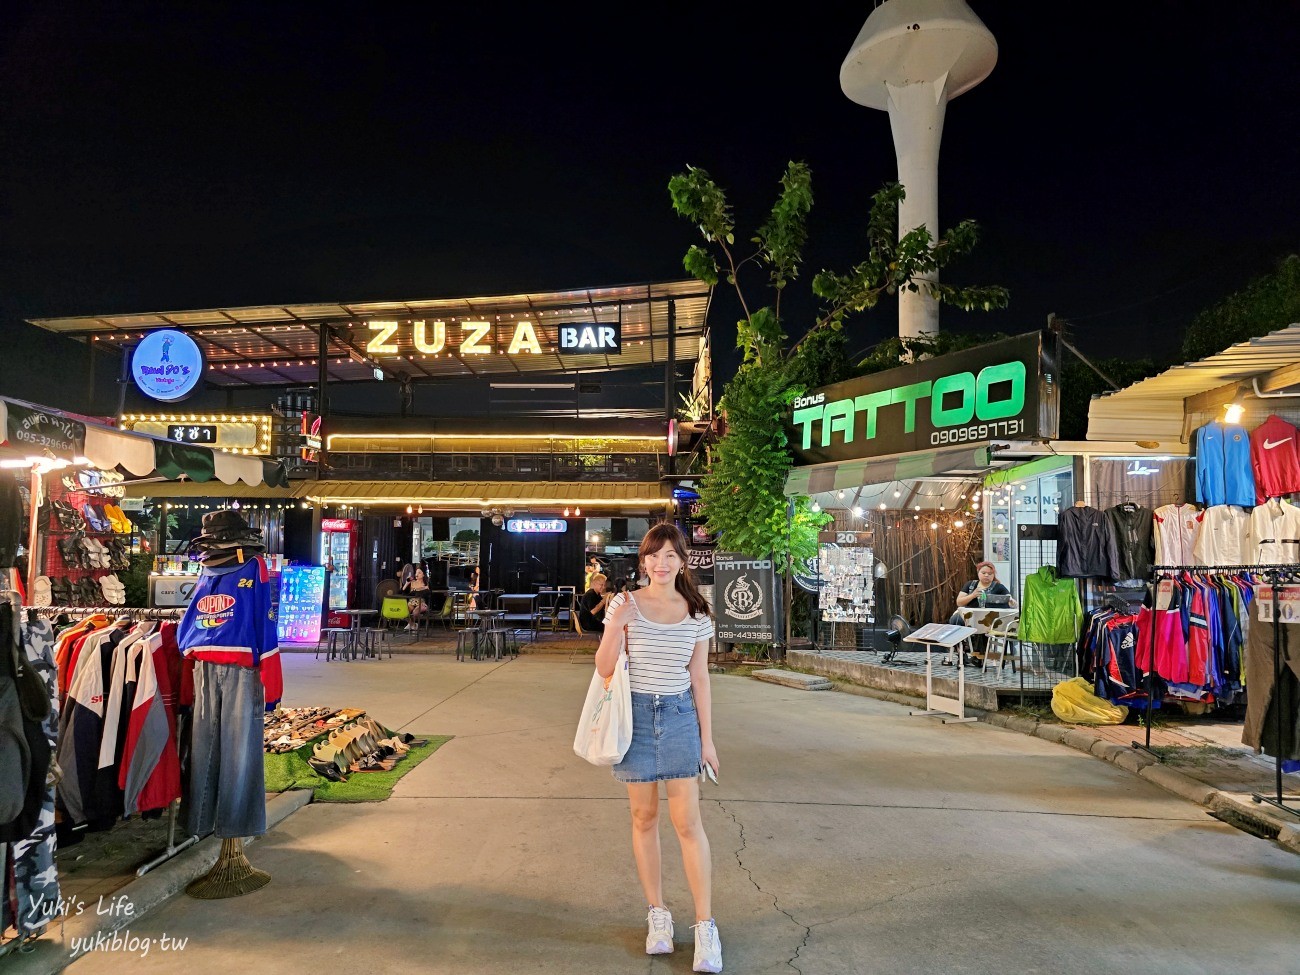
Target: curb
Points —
{"points": [[1241, 812], [51, 952]]}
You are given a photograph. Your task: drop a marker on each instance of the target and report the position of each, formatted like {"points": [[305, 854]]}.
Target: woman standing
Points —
{"points": [[668, 631]]}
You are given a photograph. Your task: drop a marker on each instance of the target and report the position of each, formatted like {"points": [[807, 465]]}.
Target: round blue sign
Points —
{"points": [[167, 365]]}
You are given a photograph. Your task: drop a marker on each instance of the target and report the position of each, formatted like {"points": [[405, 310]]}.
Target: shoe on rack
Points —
{"points": [[659, 933], [708, 947]]}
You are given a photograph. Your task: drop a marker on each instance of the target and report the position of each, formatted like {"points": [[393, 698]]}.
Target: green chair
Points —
{"points": [[394, 612]]}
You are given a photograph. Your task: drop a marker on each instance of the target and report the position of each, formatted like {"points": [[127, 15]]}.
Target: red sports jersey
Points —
{"points": [[1275, 458]]}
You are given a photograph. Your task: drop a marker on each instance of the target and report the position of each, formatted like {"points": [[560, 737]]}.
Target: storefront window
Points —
{"points": [[1034, 497]]}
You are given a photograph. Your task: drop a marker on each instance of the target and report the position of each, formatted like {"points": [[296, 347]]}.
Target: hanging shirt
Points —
{"points": [[1051, 611], [1175, 531], [1221, 539], [1223, 470], [230, 620], [1274, 537], [1133, 527], [1086, 548], [1275, 458]]}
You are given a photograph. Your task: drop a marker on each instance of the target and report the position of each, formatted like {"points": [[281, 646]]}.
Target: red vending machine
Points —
{"points": [[339, 544]]}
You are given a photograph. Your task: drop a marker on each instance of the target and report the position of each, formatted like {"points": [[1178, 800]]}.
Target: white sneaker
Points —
{"points": [[708, 948], [659, 938]]}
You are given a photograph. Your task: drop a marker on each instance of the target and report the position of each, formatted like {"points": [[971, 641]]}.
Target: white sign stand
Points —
{"points": [[946, 635]]}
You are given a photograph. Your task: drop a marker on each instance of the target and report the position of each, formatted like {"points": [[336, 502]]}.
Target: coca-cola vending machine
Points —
{"points": [[339, 545]]}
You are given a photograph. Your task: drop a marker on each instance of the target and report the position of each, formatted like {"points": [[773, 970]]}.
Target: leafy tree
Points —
{"points": [[1079, 384], [743, 491], [1265, 305]]}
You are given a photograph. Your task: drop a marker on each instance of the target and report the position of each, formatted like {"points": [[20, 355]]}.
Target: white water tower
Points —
{"points": [[910, 57]]}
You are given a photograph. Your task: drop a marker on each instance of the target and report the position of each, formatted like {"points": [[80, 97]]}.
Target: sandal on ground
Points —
{"points": [[326, 770]]}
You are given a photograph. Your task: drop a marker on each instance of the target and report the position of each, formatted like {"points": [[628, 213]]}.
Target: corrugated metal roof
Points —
{"points": [[1152, 410], [279, 344]]}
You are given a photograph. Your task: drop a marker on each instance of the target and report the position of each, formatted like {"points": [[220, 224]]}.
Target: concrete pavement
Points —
{"points": [[847, 836]]}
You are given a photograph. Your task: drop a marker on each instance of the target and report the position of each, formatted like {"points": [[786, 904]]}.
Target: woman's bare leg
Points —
{"points": [[644, 800], [684, 810]]}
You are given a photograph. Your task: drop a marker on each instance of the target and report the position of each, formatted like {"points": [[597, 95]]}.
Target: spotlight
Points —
{"points": [[1232, 412], [857, 511]]}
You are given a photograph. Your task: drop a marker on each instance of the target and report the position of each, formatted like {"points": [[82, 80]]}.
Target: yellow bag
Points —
{"points": [[1074, 701]]}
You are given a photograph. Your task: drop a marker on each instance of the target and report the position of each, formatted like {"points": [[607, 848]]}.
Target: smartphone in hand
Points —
{"points": [[707, 769]]}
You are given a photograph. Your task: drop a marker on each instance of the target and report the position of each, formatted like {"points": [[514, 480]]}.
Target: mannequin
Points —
{"points": [[229, 631]]}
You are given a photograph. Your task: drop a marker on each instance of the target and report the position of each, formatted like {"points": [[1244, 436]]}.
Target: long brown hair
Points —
{"points": [[654, 540]]}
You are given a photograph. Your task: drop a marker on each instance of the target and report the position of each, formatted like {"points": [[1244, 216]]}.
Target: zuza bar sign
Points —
{"points": [[967, 397]]}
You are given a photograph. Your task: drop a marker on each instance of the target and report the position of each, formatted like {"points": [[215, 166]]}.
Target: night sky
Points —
{"points": [[1129, 163]]}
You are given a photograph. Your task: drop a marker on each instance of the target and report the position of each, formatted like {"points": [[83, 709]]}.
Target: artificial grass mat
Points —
{"points": [[289, 770]]}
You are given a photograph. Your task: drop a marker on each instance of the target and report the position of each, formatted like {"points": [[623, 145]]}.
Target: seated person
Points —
{"points": [[983, 585], [417, 595], [591, 606], [973, 594], [472, 602]]}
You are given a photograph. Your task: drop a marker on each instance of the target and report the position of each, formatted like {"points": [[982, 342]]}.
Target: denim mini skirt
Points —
{"points": [[665, 739]]}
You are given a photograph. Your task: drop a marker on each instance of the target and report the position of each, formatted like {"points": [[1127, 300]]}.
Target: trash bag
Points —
{"points": [[1074, 701]]}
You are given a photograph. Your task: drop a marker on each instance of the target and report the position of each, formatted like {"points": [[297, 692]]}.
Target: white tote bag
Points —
{"points": [[605, 727]]}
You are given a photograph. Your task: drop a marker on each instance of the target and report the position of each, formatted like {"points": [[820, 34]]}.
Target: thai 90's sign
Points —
{"points": [[1006, 389], [537, 526], [167, 365]]}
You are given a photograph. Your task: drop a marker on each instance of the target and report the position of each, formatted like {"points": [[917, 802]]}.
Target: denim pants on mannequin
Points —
{"points": [[227, 778]]}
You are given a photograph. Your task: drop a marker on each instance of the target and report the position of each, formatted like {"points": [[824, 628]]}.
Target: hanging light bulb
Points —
{"points": [[410, 510], [934, 525], [816, 507], [566, 512], [917, 508], [882, 506], [577, 512], [959, 523], [897, 493], [840, 495], [857, 511]]}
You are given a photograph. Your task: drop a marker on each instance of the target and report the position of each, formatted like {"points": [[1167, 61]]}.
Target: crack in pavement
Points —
{"points": [[807, 931]]}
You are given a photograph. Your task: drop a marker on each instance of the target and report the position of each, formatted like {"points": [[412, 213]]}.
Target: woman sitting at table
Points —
{"points": [[984, 584], [417, 595], [973, 595]]}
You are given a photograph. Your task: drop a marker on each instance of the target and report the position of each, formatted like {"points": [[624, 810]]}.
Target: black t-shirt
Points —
{"points": [[997, 589], [589, 601]]}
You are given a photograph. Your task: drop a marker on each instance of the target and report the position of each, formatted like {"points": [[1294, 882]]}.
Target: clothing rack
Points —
{"points": [[117, 612], [1273, 576], [135, 614]]}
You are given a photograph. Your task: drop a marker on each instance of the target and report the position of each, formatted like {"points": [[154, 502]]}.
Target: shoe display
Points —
{"points": [[659, 936], [708, 947]]}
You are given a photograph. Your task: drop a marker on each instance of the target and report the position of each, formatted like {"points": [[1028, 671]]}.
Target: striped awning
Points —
{"points": [[850, 474]]}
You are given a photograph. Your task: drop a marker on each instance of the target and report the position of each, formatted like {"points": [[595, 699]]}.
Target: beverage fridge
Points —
{"points": [[339, 546]]}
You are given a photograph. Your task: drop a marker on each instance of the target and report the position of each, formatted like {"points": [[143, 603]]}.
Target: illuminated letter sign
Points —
{"points": [[1003, 390], [167, 365], [537, 526], [603, 338], [479, 338]]}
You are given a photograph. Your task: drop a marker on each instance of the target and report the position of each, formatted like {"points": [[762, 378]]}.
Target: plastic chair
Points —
{"points": [[998, 649], [394, 612]]}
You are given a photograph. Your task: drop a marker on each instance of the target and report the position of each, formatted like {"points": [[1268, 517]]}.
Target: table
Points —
{"points": [[354, 630], [946, 635], [984, 619], [485, 618]]}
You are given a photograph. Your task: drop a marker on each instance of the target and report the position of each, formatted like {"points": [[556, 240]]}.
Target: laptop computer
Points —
{"points": [[997, 600]]}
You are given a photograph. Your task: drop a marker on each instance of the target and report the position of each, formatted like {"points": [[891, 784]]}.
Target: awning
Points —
{"points": [[1160, 412], [37, 431], [957, 462], [481, 494], [150, 488]]}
